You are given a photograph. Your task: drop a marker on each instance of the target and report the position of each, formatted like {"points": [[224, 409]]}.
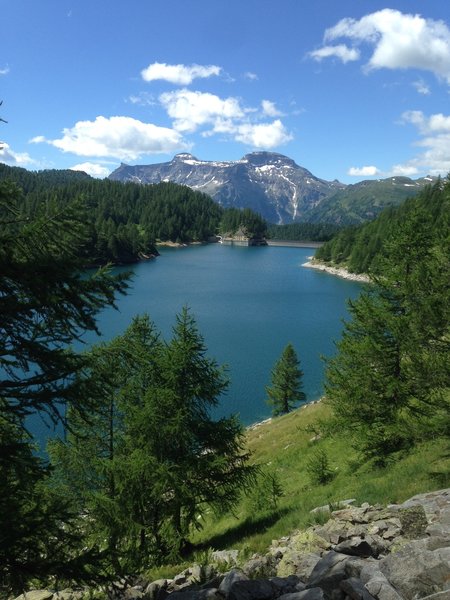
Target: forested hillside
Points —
{"points": [[125, 220], [360, 248]]}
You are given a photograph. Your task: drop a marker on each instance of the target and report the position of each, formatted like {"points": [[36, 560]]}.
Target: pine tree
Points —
{"points": [[388, 382], [285, 391], [46, 303]]}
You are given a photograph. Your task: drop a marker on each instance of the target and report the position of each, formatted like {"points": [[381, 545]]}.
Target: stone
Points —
{"points": [[157, 590], [311, 594], [227, 557], [231, 578], [416, 571], [329, 571], [261, 566], [36, 595], [414, 521], [381, 589], [296, 563], [287, 585], [356, 547], [354, 589], [209, 594], [252, 589]]}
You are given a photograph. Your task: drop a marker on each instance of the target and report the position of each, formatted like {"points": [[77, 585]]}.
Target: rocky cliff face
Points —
{"points": [[271, 184]]}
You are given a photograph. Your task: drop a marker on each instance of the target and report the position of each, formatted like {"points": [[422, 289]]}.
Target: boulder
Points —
{"points": [[36, 595], [311, 594], [380, 588], [355, 589], [329, 572], [252, 589], [416, 571], [230, 579]]}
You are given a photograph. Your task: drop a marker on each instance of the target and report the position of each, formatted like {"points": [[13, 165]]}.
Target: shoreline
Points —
{"points": [[337, 271]]}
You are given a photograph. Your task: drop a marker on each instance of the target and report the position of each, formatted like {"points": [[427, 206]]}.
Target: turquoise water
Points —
{"points": [[248, 303]]}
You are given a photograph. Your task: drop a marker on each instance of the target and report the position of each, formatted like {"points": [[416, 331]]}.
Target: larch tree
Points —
{"points": [[285, 391]]}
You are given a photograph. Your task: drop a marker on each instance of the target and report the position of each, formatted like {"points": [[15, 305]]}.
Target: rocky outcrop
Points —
{"points": [[398, 552]]}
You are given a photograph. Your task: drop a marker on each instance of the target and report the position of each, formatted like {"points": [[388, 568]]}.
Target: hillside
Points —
{"points": [[277, 188], [360, 249], [124, 221]]}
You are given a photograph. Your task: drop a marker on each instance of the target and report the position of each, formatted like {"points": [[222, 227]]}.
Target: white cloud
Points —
{"points": [[190, 110], [123, 138], [251, 76], [435, 139], [92, 169], [270, 109], [341, 51], [4, 70], [421, 87], [15, 159], [263, 135], [366, 171], [404, 170], [142, 99], [399, 41], [178, 74]]}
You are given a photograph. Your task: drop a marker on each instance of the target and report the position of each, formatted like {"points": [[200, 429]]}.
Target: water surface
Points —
{"points": [[248, 303]]}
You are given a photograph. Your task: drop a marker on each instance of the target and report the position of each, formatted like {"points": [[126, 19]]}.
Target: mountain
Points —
{"points": [[268, 183], [277, 188], [364, 201]]}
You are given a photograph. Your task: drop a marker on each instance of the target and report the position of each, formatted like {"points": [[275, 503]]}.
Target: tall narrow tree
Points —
{"points": [[285, 392]]}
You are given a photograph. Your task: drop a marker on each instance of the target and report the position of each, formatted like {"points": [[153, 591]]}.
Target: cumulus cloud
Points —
{"points": [[399, 41], [435, 140], [341, 51], [270, 109], [251, 76], [4, 70], [263, 135], [366, 171], [192, 111], [92, 169], [404, 170], [15, 159], [189, 110], [178, 74], [123, 138]]}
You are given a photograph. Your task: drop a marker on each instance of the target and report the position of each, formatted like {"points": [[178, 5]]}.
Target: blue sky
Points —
{"points": [[350, 89]]}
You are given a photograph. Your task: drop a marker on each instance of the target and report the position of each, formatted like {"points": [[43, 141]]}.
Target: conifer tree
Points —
{"points": [[285, 392]]}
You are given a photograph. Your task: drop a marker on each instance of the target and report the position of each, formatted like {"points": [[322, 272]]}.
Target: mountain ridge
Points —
{"points": [[276, 187]]}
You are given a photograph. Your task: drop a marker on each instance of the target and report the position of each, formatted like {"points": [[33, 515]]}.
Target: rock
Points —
{"points": [[261, 566], [311, 594], [354, 589], [36, 595], [295, 563], [230, 578], [210, 594], [414, 521], [329, 572], [252, 589], [416, 571], [157, 590], [287, 585], [356, 547], [380, 588], [227, 557]]}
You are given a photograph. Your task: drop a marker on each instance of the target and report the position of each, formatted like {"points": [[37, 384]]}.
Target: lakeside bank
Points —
{"points": [[337, 271]]}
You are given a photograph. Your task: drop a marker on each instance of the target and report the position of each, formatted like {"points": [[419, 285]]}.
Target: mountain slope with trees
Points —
{"points": [[125, 221], [360, 248]]}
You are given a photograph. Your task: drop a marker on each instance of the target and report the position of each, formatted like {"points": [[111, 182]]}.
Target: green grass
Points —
{"points": [[283, 448]]}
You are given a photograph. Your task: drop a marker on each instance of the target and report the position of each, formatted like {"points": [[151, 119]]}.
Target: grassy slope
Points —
{"points": [[283, 447]]}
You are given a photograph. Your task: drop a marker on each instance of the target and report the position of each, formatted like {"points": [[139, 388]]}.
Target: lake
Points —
{"points": [[248, 303]]}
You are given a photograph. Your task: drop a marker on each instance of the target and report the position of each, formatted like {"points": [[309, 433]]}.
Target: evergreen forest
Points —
{"points": [[125, 221]]}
